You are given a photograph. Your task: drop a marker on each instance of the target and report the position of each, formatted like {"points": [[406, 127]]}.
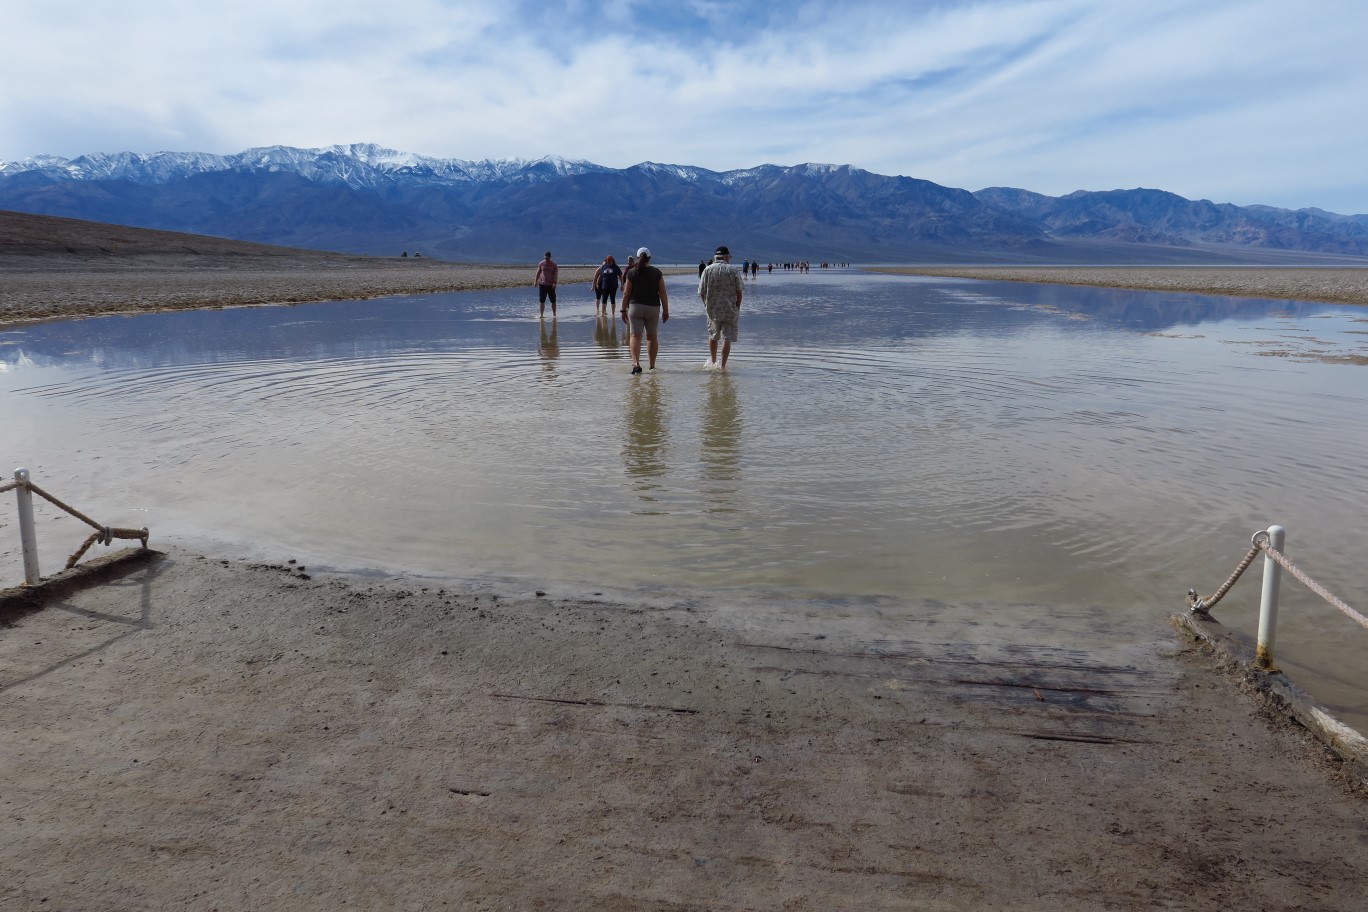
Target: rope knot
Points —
{"points": [[1197, 604]]}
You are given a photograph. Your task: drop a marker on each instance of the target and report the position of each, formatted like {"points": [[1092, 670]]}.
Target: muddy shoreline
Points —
{"points": [[64, 292], [1333, 284], [38, 290], [208, 733]]}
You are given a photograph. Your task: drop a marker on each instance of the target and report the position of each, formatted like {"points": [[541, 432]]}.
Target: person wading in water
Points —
{"points": [[645, 305]]}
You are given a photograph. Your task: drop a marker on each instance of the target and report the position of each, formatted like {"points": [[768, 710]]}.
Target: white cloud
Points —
{"points": [[1239, 100]]}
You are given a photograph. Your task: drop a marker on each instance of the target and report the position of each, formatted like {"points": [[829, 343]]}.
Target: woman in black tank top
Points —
{"points": [[645, 305]]}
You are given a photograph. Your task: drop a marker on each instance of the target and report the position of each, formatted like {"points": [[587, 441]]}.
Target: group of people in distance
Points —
{"points": [[748, 267], [646, 303]]}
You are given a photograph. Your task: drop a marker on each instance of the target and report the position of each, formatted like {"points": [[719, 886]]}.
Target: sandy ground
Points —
{"points": [[196, 733], [1338, 285]]}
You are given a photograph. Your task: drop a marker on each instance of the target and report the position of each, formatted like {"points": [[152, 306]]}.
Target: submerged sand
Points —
{"points": [[197, 733]]}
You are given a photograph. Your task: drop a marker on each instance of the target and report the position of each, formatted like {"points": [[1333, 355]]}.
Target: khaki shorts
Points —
{"points": [[723, 329], [643, 318]]}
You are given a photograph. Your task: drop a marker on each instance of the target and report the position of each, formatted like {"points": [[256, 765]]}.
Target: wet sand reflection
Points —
{"points": [[720, 437], [550, 348], [606, 335], [647, 436]]}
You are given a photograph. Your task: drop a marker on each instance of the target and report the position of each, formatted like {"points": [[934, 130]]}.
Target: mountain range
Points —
{"points": [[366, 199]]}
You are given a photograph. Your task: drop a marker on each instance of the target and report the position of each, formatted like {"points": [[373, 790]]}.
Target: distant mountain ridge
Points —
{"points": [[358, 165], [364, 198]]}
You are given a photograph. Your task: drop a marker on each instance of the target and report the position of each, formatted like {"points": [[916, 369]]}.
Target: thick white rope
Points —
{"points": [[1311, 584]]}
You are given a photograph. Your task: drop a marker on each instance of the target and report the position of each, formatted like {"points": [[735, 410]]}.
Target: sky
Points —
{"points": [[1238, 101]]}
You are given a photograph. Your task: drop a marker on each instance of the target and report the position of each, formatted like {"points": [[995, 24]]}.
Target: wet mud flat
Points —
{"points": [[1338, 285], [65, 293], [200, 732], [60, 293]]}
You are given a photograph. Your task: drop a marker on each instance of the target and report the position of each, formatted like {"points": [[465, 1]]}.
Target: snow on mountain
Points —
{"points": [[483, 209], [683, 172], [357, 165]]}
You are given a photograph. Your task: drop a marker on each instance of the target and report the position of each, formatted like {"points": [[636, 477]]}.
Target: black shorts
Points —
{"points": [[546, 291]]}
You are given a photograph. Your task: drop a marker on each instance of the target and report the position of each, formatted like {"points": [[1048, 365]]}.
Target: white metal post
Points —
{"points": [[28, 536], [1268, 606]]}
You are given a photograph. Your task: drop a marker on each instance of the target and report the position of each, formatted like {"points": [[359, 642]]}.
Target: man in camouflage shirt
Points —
{"points": [[720, 289]]}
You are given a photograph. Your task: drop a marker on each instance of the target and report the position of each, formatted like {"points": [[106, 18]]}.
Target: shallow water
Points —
{"points": [[877, 439]]}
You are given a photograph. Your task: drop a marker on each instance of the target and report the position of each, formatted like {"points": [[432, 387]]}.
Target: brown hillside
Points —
{"points": [[27, 237]]}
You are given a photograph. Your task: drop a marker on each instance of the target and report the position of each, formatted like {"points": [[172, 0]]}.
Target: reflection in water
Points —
{"points": [[899, 437], [550, 348], [643, 451], [606, 335], [720, 439]]}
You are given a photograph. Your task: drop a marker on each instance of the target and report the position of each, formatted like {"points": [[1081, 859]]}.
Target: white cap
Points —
{"points": [[642, 252]]}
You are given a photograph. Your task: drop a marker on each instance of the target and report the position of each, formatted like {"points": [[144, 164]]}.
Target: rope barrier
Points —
{"points": [[1335, 602], [72, 510], [104, 537], [1201, 605], [102, 534]]}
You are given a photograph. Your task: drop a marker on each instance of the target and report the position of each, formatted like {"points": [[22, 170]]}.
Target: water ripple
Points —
{"points": [[871, 437]]}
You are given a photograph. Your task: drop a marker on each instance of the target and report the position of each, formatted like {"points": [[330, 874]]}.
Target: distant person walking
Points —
{"points": [[606, 285], [546, 285], [702, 265], [645, 305], [720, 288]]}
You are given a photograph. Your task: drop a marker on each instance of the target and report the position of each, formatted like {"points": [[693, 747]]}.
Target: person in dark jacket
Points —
{"points": [[606, 285]]}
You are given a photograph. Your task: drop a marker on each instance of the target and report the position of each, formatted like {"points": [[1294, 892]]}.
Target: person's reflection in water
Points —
{"points": [[550, 348], [605, 335], [643, 452], [720, 439]]}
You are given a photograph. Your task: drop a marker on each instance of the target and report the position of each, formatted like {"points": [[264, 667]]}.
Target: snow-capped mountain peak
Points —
{"points": [[355, 165]]}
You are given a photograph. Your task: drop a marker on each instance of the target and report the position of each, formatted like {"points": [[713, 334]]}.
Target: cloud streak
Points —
{"points": [[1245, 101]]}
